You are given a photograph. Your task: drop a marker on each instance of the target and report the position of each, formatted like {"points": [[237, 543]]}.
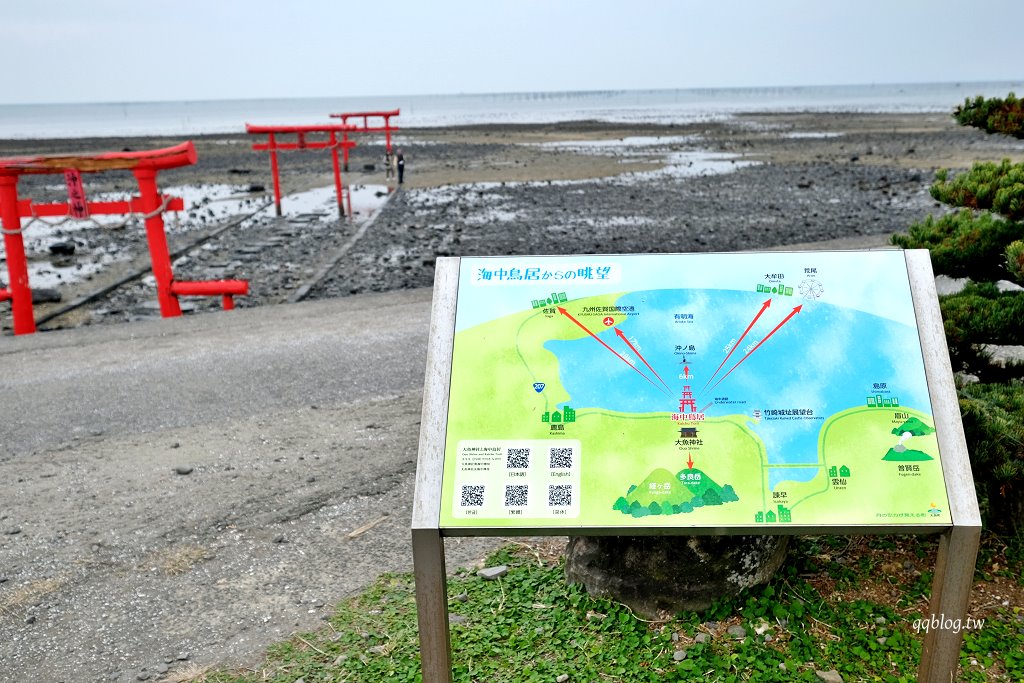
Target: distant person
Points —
{"points": [[400, 158], [389, 165]]}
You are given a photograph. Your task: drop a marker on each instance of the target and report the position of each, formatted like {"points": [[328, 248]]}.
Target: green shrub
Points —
{"points": [[1015, 260], [993, 115], [985, 247], [964, 244], [987, 186], [981, 314], [993, 416]]}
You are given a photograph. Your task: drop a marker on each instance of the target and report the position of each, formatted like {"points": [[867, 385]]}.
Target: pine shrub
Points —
{"points": [[993, 115], [984, 241]]}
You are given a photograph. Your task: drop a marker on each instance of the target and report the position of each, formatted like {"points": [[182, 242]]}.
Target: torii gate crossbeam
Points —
{"points": [[367, 128], [144, 165], [332, 143]]}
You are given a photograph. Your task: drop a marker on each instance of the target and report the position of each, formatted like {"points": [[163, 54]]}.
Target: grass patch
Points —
{"points": [[18, 598], [846, 604], [177, 560]]}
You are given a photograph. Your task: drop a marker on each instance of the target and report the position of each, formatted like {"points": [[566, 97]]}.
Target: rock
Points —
{"points": [[679, 655], [945, 285], [1003, 355], [1007, 286], [702, 638], [46, 295], [183, 469], [462, 597], [737, 632], [12, 530], [457, 618], [562, 678], [881, 620], [646, 573], [831, 676], [881, 641], [491, 573], [62, 248]]}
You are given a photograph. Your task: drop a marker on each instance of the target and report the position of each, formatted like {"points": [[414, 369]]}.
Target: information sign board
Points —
{"points": [[745, 393], [697, 390]]}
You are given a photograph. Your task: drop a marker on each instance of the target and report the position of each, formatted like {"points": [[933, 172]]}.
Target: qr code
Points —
{"points": [[516, 495], [472, 496], [559, 496], [517, 458], [560, 458]]}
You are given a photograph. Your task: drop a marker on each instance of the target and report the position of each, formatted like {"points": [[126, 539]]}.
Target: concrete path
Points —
{"points": [[182, 493]]}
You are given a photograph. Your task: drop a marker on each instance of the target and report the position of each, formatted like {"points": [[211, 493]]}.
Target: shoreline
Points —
{"points": [[754, 181]]}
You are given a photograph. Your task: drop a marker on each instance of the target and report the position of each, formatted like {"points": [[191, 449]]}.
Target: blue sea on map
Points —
{"points": [[825, 359]]}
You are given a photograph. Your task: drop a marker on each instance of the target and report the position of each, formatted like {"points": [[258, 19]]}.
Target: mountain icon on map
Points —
{"points": [[906, 431], [664, 493], [914, 427]]}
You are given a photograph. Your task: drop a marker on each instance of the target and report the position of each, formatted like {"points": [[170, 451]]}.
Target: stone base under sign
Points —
{"points": [[659, 575]]}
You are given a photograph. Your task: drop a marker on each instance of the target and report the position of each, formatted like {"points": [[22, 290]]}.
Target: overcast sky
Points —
{"points": [[143, 50]]}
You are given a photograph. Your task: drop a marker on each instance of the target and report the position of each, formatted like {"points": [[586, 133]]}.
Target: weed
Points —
{"points": [[530, 626]]}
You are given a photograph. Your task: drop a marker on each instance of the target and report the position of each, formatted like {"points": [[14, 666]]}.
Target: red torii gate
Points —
{"points": [[144, 166], [332, 143], [365, 116]]}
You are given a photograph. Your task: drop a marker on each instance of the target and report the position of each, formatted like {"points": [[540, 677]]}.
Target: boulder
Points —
{"points": [[658, 574]]}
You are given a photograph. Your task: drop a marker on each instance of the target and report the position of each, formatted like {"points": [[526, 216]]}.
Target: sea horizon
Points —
{"points": [[664, 106]]}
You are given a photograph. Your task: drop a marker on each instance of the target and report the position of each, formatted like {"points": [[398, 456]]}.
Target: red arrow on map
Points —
{"points": [[638, 355], [689, 460], [764, 307], [599, 341], [750, 353]]}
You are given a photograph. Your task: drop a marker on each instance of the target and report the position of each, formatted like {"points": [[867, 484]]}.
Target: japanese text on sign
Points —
{"points": [[530, 275]]}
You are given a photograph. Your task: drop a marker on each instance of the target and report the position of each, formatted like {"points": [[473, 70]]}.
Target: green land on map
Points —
{"points": [[497, 363]]}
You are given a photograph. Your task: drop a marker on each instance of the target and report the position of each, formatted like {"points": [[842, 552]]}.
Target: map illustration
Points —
{"points": [[750, 390]]}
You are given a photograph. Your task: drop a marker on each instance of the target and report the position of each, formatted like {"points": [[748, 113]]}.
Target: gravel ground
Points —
{"points": [[752, 182], [140, 568]]}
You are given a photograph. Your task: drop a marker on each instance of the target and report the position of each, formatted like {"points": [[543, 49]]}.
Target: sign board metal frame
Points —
{"points": [[958, 542]]}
